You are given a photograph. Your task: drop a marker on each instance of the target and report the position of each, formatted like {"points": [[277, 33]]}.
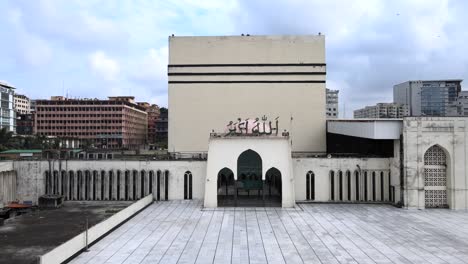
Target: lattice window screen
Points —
{"points": [[435, 178]]}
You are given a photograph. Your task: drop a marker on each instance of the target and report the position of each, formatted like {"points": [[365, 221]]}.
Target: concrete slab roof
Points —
{"points": [[367, 128]]}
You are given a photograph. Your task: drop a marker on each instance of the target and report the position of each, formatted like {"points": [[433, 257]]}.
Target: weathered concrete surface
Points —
{"points": [[24, 238], [182, 232]]}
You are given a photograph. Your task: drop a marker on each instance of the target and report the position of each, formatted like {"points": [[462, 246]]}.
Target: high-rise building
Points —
{"points": [[332, 103], [382, 110], [22, 104], [7, 113], [114, 123], [427, 98], [460, 106]]}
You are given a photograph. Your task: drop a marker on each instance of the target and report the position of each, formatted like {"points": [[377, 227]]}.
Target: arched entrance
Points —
{"points": [[273, 188], [249, 185], [226, 188], [435, 178]]}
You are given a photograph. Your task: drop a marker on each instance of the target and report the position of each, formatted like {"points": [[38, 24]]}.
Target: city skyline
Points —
{"points": [[121, 48]]}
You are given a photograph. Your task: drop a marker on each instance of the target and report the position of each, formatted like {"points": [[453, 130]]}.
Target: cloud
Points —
{"points": [[371, 45], [120, 47], [31, 49], [104, 66]]}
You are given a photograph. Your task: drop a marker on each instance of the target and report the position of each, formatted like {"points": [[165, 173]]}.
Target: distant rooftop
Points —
{"points": [[6, 85], [18, 151]]}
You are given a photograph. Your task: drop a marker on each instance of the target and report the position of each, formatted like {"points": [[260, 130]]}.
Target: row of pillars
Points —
{"points": [[364, 186], [107, 185]]}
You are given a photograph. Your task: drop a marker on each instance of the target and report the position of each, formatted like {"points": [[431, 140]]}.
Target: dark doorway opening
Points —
{"points": [[226, 188], [249, 190]]}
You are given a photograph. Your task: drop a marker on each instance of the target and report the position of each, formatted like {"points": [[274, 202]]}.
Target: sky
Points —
{"points": [[95, 49]]}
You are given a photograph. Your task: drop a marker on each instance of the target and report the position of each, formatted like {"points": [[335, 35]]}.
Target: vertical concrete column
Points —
{"points": [[91, 185], [378, 195], [137, 181], [75, 186], [386, 196], [3, 189], [146, 191], [64, 186], [98, 186], [122, 184], [105, 182], [58, 189], [83, 185]]}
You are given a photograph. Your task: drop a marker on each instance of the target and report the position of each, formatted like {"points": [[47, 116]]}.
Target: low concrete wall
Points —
{"points": [[7, 187], [74, 245]]}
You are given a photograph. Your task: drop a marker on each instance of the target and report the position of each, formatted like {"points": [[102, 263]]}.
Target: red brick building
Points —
{"points": [[153, 116], [114, 123]]}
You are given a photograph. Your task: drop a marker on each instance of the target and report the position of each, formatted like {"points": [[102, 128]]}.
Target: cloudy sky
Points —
{"points": [[97, 48]]}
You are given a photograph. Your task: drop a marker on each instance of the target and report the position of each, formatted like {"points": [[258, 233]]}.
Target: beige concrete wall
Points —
{"points": [[321, 167], [214, 80], [196, 109], [246, 49]]}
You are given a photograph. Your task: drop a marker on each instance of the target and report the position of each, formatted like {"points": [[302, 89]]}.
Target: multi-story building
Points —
{"points": [[7, 113], [382, 110], [114, 123], [162, 126], [427, 98], [153, 115], [22, 104], [460, 106], [24, 124], [332, 103]]}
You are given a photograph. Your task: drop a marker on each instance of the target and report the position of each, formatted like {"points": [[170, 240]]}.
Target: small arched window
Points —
{"points": [[310, 185], [187, 185]]}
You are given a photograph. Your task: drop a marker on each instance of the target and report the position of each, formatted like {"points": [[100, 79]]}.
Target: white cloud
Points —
{"points": [[152, 67], [104, 66], [30, 48]]}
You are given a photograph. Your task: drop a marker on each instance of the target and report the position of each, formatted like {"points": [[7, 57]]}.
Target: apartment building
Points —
{"points": [[153, 115], [116, 123], [7, 113], [382, 110], [332, 103], [22, 104]]}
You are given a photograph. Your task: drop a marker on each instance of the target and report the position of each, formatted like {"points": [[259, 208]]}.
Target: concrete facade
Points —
{"points": [[114, 123], [7, 187], [215, 80], [33, 180], [451, 135], [382, 110], [332, 105], [22, 104]]}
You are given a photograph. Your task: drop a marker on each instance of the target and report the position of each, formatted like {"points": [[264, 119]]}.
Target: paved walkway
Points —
{"points": [[181, 232]]}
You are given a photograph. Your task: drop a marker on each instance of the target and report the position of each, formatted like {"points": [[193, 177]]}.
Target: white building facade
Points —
{"points": [[332, 107], [7, 113], [22, 104], [382, 110]]}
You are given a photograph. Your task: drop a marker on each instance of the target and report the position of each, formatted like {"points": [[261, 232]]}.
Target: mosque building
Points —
{"points": [[247, 127]]}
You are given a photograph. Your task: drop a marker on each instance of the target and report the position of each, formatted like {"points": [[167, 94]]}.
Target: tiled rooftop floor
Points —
{"points": [[183, 232]]}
